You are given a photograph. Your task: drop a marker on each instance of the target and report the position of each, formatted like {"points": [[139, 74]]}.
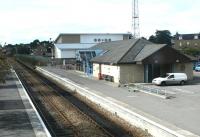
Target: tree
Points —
{"points": [[152, 38], [191, 51], [35, 44], [23, 49], [27, 48], [161, 37]]}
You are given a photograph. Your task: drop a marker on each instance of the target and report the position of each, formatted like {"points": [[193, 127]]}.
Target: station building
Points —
{"points": [[138, 61], [67, 45]]}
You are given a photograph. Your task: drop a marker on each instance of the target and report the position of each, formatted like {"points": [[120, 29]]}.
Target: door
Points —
{"points": [[171, 80], [156, 71], [150, 73]]}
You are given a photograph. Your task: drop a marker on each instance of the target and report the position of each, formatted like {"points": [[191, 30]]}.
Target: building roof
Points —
{"points": [[192, 57], [113, 51], [148, 50], [127, 51]]}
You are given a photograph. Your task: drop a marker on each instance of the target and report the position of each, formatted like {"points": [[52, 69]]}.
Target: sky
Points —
{"points": [[22, 21]]}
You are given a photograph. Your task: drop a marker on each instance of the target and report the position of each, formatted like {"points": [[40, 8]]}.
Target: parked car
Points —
{"points": [[170, 79], [197, 68]]}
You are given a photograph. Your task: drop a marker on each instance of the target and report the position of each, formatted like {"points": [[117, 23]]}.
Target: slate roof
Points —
{"points": [[148, 50], [125, 51], [191, 57], [187, 36], [114, 51]]}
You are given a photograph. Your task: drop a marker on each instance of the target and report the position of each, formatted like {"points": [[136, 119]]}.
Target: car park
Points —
{"points": [[170, 79]]}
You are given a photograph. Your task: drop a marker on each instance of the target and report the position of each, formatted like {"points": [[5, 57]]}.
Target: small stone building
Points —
{"points": [[138, 60]]}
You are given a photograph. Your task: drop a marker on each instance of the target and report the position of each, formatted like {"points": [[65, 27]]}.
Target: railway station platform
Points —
{"points": [[161, 117], [18, 116]]}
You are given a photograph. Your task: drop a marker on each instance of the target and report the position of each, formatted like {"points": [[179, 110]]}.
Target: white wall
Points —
{"points": [[68, 50], [57, 52], [74, 46], [89, 38], [128, 73], [111, 71], [95, 70], [68, 53], [64, 53]]}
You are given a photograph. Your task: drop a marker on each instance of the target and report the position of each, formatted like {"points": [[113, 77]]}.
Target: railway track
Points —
{"points": [[63, 113]]}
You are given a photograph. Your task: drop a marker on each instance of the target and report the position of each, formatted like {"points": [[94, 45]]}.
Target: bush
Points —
{"points": [[33, 60], [4, 67]]}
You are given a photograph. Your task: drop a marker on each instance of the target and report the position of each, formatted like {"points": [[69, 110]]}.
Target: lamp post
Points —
{"points": [[52, 46]]}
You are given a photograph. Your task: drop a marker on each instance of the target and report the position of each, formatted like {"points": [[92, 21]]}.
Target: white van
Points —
{"points": [[171, 78]]}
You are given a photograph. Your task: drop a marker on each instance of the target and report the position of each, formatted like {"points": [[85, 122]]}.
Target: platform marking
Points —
{"points": [[24, 95]]}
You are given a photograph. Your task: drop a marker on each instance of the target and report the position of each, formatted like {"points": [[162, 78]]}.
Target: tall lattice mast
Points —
{"points": [[135, 19]]}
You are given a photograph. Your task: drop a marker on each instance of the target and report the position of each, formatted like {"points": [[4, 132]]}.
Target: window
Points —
{"points": [[109, 40], [188, 43], [109, 70], [180, 37], [95, 40], [99, 40], [180, 44], [170, 77]]}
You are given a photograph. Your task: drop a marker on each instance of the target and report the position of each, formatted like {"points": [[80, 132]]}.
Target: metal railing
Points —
{"points": [[148, 89]]}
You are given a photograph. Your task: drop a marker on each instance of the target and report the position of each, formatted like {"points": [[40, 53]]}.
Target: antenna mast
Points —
{"points": [[135, 19]]}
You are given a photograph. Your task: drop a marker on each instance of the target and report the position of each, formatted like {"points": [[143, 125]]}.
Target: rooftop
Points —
{"points": [[187, 36], [125, 51], [135, 50]]}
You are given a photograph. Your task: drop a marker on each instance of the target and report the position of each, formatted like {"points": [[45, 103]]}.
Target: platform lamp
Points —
{"points": [[52, 43]]}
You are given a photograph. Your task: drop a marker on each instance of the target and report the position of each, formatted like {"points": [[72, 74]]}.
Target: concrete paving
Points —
{"points": [[182, 111], [17, 116]]}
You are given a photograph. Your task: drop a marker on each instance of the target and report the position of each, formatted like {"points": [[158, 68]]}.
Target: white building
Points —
{"points": [[66, 45]]}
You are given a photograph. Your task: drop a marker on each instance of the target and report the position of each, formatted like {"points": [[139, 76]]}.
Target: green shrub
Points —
{"points": [[33, 60]]}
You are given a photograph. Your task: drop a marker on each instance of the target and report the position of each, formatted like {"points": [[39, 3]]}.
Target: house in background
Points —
{"points": [[138, 60], [187, 41], [189, 44], [67, 45]]}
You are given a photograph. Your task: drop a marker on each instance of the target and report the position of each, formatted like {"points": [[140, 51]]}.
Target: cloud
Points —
{"points": [[35, 18], [181, 16], [24, 21]]}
